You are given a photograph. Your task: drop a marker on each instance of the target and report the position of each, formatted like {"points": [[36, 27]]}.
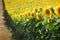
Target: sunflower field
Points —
{"points": [[33, 20]]}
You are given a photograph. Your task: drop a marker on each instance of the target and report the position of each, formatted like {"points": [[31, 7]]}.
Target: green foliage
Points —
{"points": [[33, 29]]}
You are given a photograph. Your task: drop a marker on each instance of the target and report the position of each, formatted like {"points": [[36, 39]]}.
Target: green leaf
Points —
{"points": [[50, 26], [40, 31], [37, 24]]}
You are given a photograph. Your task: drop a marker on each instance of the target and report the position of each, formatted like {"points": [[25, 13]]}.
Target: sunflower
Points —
{"points": [[28, 14], [47, 12], [36, 10], [20, 15], [23, 15], [32, 15], [57, 11], [40, 9], [39, 17]]}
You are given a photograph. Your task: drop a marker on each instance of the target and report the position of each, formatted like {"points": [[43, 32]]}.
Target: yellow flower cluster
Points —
{"points": [[47, 12], [15, 8], [25, 15]]}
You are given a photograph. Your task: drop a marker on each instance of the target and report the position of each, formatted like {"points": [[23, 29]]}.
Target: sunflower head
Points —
{"points": [[28, 14], [47, 12], [20, 15], [36, 10], [57, 11], [32, 15], [39, 17], [40, 9], [25, 14]]}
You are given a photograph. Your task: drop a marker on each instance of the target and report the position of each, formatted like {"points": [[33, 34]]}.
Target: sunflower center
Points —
{"points": [[28, 14], [48, 12], [39, 16], [59, 10], [32, 15]]}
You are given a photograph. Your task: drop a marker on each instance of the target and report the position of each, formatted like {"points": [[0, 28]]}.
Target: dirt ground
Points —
{"points": [[4, 34]]}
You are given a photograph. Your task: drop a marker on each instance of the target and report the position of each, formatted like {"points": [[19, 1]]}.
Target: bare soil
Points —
{"points": [[4, 34]]}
